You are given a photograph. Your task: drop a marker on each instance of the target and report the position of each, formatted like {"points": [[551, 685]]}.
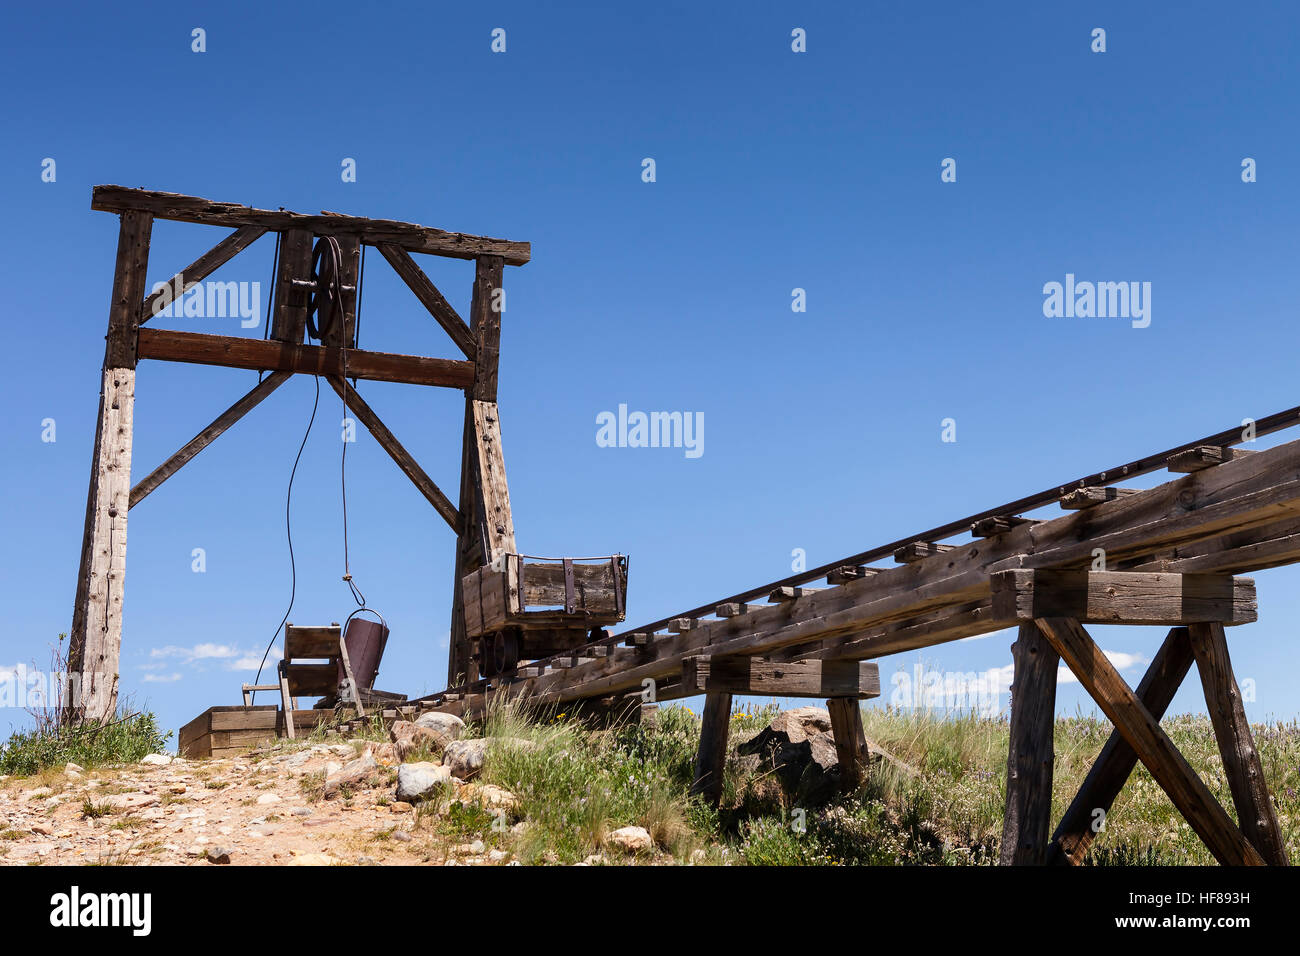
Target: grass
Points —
{"points": [[937, 800], [124, 740]]}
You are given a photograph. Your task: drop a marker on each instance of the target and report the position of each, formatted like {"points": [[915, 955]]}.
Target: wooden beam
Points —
{"points": [[410, 467], [1087, 813], [95, 641], [494, 491], [1241, 765], [711, 758], [1204, 456], [409, 236], [850, 741], [430, 297], [129, 277], [200, 269], [288, 318], [1123, 597], [207, 436], [485, 316], [1028, 817], [270, 355], [859, 680], [1154, 748]]}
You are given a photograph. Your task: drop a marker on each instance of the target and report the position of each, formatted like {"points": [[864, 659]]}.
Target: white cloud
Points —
{"points": [[1120, 660], [160, 678], [232, 658]]}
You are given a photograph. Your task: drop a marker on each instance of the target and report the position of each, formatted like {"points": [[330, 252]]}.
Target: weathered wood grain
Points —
{"points": [[409, 236], [1031, 752], [1255, 812], [1123, 597], [271, 355]]}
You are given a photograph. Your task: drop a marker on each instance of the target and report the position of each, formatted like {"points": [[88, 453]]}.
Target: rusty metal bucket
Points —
{"points": [[364, 640]]}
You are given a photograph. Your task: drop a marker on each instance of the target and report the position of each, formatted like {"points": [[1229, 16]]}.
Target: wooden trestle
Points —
{"points": [[1169, 554]]}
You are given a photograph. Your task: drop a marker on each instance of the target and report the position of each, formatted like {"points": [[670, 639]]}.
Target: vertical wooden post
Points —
{"points": [[1028, 818], [1086, 815], [1255, 813], [95, 642], [289, 314], [850, 741], [473, 546], [711, 758]]}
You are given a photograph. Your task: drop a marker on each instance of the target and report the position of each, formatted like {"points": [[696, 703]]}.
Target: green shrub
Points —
{"points": [[125, 740]]}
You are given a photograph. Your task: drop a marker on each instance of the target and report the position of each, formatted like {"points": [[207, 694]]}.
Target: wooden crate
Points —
{"points": [[535, 593], [223, 731]]}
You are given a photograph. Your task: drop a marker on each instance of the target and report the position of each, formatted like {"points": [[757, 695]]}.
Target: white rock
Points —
{"points": [[157, 760], [418, 781], [266, 798], [631, 839]]}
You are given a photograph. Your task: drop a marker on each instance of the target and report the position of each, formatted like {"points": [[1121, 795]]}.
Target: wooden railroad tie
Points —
{"points": [[736, 609], [920, 550], [997, 524], [1204, 456], [783, 594], [1092, 495]]}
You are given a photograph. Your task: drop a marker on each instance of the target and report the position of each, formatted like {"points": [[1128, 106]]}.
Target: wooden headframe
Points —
{"points": [[481, 518]]}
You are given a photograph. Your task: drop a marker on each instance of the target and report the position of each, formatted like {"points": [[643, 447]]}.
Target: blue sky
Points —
{"points": [[775, 170]]}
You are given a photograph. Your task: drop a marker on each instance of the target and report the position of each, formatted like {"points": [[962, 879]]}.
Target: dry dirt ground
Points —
{"points": [[258, 808]]}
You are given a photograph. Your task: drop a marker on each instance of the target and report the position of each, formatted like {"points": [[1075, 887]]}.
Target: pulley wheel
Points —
{"points": [[326, 304]]}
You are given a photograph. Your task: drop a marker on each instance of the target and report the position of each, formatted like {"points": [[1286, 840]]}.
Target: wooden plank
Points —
{"points": [[850, 740], [431, 298], [1204, 456], [594, 584], [311, 641], [711, 757], [1241, 765], [1154, 748], [859, 680], [1087, 813], [95, 641], [410, 236], [396, 451], [311, 680], [1028, 817], [680, 625], [200, 269], [1123, 597], [1091, 496], [996, 525], [920, 550], [207, 436], [495, 492], [267, 355]]}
